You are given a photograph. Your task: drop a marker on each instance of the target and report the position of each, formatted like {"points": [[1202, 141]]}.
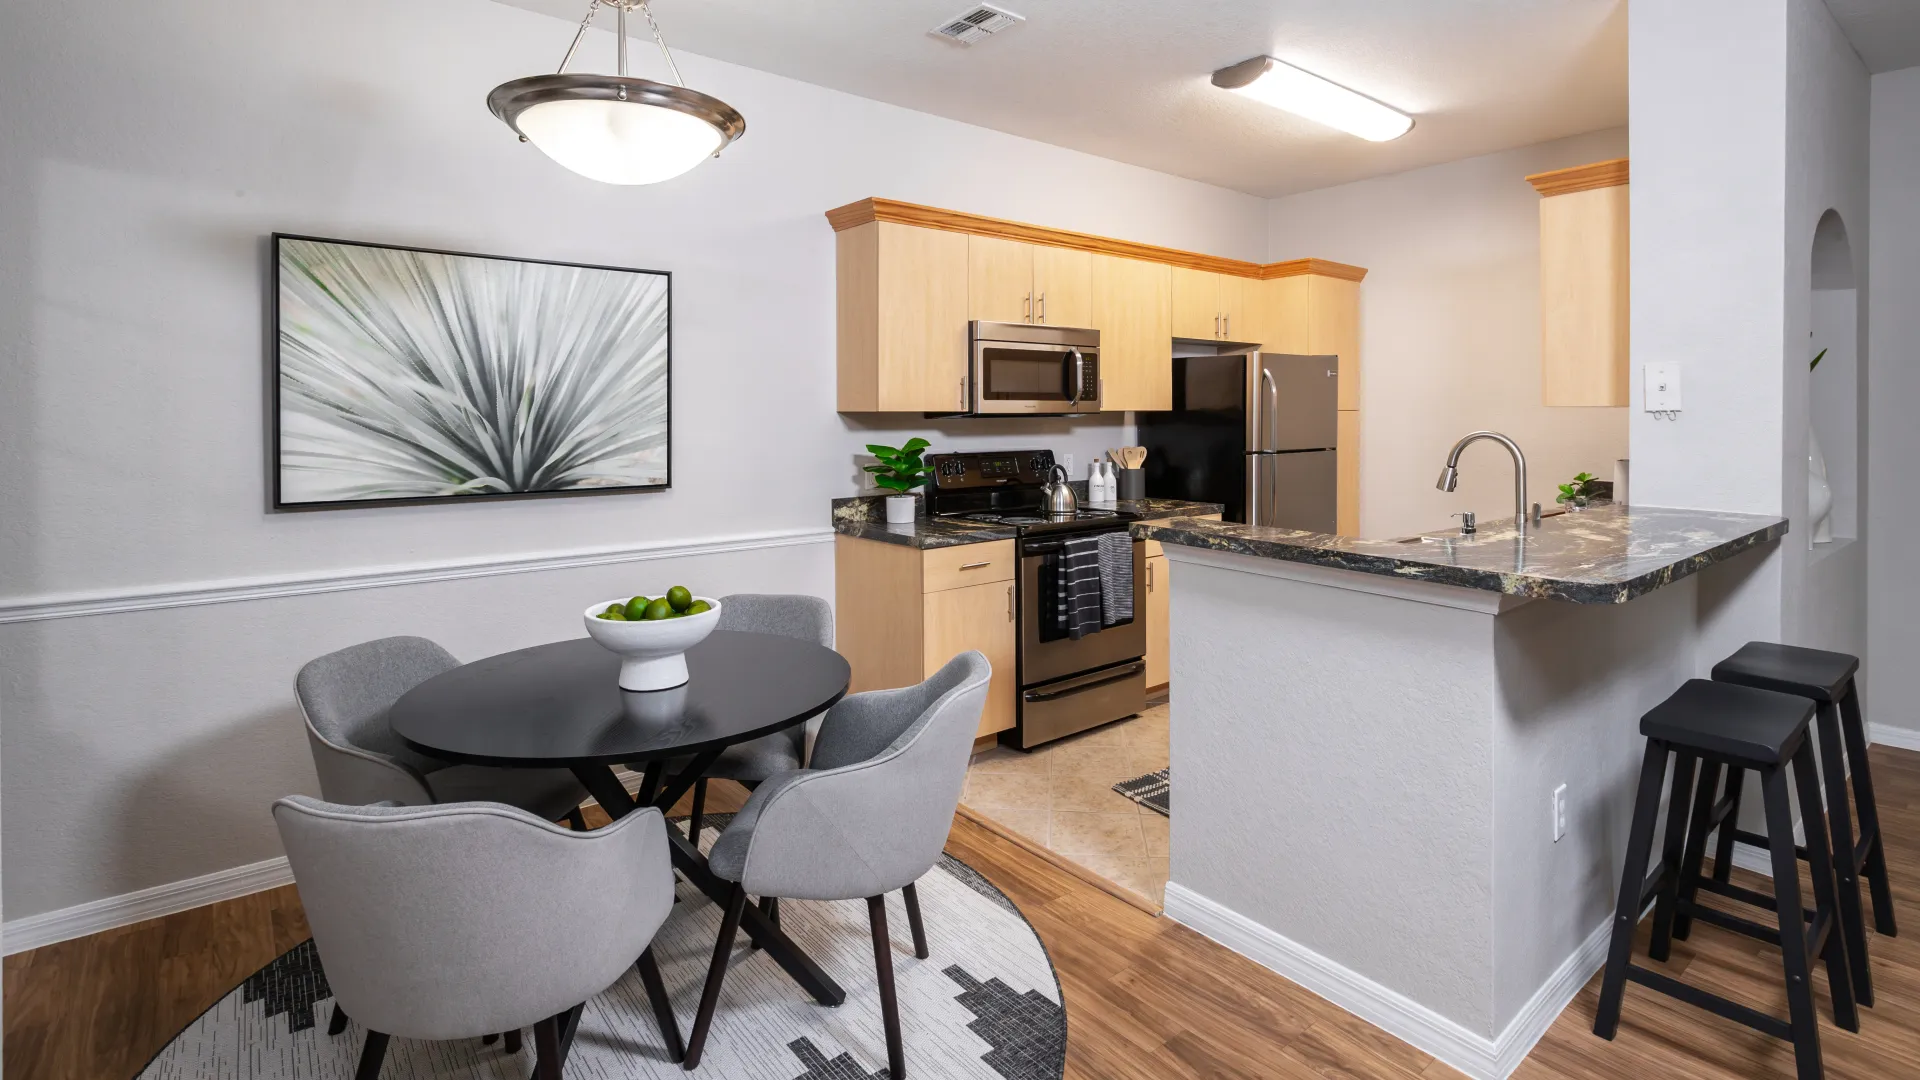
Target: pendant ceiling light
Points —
{"points": [[615, 128]]}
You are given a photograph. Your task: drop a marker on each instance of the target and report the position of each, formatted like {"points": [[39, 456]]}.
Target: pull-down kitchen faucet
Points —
{"points": [[1450, 476]]}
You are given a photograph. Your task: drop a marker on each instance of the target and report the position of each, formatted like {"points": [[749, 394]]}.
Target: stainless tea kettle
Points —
{"points": [[1062, 501]]}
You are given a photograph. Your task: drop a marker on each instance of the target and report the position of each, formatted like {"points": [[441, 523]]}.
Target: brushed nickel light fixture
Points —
{"points": [[617, 129]]}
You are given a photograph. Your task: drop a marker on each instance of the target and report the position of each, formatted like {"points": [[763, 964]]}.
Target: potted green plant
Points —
{"points": [[900, 470], [1574, 495]]}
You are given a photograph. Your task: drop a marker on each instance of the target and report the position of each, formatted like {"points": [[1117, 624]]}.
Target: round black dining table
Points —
{"points": [[561, 706]]}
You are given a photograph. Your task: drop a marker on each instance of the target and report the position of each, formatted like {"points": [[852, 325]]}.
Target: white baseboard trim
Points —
{"points": [[233, 590], [1898, 737], [47, 928], [19, 935], [1400, 1016]]}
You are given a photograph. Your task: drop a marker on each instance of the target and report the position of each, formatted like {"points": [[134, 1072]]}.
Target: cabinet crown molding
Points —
{"points": [[1600, 174], [929, 217]]}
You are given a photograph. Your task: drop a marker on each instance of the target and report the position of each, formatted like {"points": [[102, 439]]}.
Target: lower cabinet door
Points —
{"points": [[976, 617], [1157, 613]]}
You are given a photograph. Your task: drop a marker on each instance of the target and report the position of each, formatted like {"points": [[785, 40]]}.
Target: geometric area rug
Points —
{"points": [[985, 1006], [1153, 791]]}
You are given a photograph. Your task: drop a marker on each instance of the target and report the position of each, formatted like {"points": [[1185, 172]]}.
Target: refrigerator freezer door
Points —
{"points": [[1294, 490], [1297, 398]]}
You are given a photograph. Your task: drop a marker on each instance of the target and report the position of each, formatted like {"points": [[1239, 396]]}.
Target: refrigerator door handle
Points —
{"points": [[1270, 411]]}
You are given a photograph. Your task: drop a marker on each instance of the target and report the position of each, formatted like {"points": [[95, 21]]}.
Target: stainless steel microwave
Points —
{"points": [[1018, 369]]}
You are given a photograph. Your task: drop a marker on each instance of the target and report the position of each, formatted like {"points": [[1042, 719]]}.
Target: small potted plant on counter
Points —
{"points": [[1574, 495], [900, 470]]}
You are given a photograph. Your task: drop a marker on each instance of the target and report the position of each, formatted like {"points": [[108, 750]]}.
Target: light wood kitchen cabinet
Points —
{"points": [[1312, 315], [901, 613], [1062, 286], [1584, 354], [974, 617], [902, 318], [1011, 281], [1209, 305], [1132, 310], [999, 279], [1158, 614]]}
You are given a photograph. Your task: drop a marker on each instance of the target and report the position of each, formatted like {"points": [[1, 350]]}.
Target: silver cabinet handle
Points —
{"points": [[1227, 320], [1029, 308], [1149, 575], [963, 393], [975, 565], [1216, 324], [1043, 309], [1009, 603]]}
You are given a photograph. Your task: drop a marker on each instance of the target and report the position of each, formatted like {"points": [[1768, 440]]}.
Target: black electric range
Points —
{"points": [[1005, 487], [1066, 685]]}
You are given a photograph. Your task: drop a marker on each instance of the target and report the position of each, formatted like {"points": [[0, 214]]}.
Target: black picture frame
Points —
{"points": [[275, 375]]}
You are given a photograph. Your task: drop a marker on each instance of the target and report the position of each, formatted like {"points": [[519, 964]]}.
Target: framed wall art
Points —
{"points": [[406, 375]]}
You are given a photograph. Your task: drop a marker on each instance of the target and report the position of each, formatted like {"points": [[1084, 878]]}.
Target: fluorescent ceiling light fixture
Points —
{"points": [[617, 129], [1302, 93]]}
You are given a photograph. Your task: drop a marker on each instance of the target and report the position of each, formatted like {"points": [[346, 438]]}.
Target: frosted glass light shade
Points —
{"points": [[1302, 93], [619, 142], [615, 129]]}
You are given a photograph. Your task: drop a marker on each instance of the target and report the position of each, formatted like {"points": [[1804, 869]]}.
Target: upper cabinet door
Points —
{"points": [[1234, 322], [902, 314], [1062, 286], [999, 280], [1132, 309], [1196, 303]]}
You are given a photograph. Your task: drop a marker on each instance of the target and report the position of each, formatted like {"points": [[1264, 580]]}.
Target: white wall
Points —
{"points": [[143, 748], [1893, 303], [1450, 331]]}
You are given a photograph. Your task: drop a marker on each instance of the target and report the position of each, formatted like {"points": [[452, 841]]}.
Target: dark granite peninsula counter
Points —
{"points": [[1430, 739], [866, 517], [1605, 554]]}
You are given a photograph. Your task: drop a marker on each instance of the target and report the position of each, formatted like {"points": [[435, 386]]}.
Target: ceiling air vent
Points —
{"points": [[978, 24]]}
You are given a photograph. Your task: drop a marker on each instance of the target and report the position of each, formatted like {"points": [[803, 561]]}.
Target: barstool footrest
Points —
{"points": [[1713, 1003], [1716, 917], [1863, 850], [1736, 892], [1741, 836], [1656, 881]]}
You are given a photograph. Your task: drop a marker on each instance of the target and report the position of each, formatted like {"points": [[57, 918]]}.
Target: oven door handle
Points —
{"points": [[1097, 680]]}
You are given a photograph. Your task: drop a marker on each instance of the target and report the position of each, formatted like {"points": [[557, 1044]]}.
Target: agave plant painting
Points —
{"points": [[408, 375]]}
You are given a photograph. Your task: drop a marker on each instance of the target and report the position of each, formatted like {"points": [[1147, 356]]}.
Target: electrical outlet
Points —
{"points": [[1662, 391], [1067, 461], [1559, 812]]}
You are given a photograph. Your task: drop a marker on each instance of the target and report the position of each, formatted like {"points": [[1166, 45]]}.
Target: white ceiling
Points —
{"points": [[1886, 33], [1128, 79]]}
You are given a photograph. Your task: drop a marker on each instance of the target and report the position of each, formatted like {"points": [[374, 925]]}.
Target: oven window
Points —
{"points": [[1025, 374]]}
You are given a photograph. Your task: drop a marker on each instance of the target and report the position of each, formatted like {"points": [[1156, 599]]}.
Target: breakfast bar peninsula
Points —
{"points": [[1430, 740]]}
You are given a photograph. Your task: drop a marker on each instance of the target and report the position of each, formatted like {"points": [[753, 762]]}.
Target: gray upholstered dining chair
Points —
{"points": [[869, 816], [344, 697], [749, 764], [464, 919]]}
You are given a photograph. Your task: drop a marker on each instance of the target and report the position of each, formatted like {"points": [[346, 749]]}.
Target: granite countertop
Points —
{"points": [[1606, 554], [866, 517]]}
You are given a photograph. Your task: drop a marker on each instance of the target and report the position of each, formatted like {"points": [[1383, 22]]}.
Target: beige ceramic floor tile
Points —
{"points": [[1146, 876], [1007, 761], [1031, 824], [1006, 791], [1074, 832], [1081, 791], [1154, 829], [1085, 760], [1108, 737]]}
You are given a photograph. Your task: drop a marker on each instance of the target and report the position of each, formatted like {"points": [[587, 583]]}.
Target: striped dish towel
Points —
{"points": [[1077, 587], [1116, 578]]}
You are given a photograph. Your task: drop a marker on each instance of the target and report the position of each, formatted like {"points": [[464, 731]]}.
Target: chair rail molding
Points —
{"points": [[234, 590]]}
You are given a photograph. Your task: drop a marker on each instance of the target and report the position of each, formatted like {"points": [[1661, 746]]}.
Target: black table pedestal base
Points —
{"points": [[612, 796]]}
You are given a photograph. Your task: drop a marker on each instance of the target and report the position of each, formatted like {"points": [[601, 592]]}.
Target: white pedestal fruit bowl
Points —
{"points": [[653, 654]]}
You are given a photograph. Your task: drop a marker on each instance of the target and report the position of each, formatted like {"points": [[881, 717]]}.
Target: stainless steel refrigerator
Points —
{"points": [[1252, 430]]}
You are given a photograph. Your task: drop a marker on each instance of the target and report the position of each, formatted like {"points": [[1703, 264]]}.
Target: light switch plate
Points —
{"points": [[1662, 391]]}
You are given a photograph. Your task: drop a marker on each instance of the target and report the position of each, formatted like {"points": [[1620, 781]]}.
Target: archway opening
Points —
{"points": [[1833, 390]]}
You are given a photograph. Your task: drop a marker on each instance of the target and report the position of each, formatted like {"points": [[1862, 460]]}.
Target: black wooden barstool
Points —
{"points": [[1721, 725], [1827, 678]]}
